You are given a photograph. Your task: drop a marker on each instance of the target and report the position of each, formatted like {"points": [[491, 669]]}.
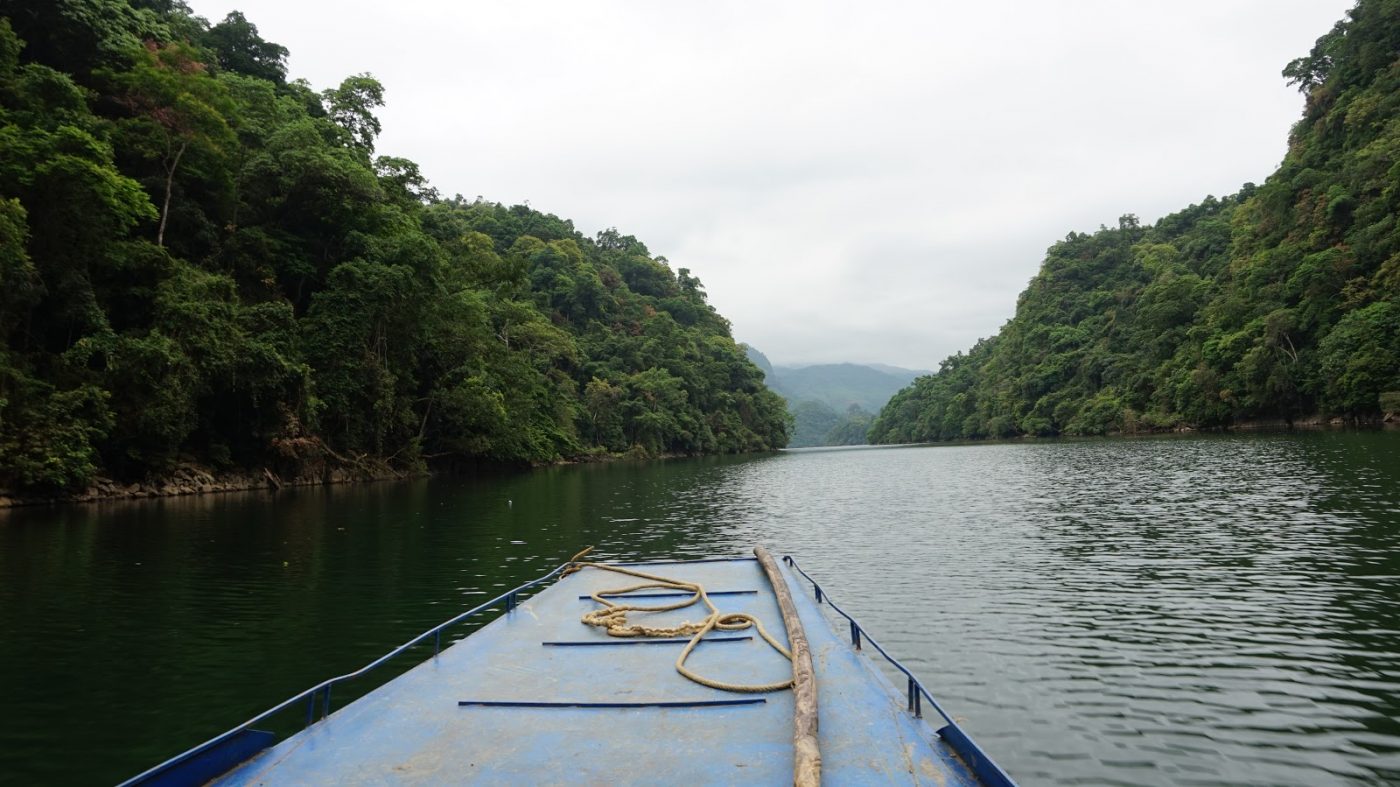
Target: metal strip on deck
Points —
{"points": [[658, 704], [687, 562], [593, 643], [630, 596]]}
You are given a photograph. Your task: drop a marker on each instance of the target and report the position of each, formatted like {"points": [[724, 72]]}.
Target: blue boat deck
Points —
{"points": [[414, 729]]}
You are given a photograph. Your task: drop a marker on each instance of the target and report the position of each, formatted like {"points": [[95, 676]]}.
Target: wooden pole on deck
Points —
{"points": [[807, 757]]}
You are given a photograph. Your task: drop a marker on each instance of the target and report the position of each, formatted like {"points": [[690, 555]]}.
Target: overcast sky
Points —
{"points": [[869, 182]]}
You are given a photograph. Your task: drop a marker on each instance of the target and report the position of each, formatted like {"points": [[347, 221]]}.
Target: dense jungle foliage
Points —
{"points": [[203, 261], [1280, 302], [817, 423]]}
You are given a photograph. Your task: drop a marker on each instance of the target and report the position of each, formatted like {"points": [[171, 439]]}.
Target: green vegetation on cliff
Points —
{"points": [[818, 423], [202, 260], [1279, 302]]}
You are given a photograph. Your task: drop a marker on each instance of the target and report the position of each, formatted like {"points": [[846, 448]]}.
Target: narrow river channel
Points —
{"points": [[1179, 610]]}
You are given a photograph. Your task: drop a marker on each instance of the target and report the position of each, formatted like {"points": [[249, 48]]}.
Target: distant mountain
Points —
{"points": [[832, 404], [898, 370], [816, 423], [841, 385], [761, 361]]}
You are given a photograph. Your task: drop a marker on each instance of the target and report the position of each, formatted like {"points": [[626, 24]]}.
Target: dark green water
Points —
{"points": [[1202, 610]]}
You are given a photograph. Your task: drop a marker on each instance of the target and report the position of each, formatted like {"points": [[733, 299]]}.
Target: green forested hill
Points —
{"points": [[833, 403], [201, 260], [840, 385], [1280, 302]]}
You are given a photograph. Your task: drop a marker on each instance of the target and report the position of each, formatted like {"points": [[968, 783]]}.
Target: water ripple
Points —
{"points": [[1201, 610]]}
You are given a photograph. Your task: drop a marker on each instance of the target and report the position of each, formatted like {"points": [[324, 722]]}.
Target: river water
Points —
{"points": [[1184, 610]]}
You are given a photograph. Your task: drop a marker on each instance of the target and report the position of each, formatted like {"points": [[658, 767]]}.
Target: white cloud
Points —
{"points": [[873, 182]]}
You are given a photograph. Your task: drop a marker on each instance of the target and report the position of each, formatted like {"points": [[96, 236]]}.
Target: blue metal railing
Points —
{"points": [[320, 694], [982, 765]]}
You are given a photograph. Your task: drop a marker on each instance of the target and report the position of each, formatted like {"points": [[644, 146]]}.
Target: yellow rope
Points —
{"points": [[612, 618]]}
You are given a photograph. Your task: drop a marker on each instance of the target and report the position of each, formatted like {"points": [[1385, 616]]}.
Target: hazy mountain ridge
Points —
{"points": [[841, 385], [832, 403]]}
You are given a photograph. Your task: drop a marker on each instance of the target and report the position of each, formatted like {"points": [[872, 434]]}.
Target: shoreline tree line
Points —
{"points": [[204, 261], [1280, 302]]}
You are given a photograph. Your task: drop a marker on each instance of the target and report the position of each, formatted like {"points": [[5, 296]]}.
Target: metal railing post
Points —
{"points": [[990, 773]]}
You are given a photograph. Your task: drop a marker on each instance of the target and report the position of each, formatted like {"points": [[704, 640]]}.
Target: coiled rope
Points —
{"points": [[612, 618]]}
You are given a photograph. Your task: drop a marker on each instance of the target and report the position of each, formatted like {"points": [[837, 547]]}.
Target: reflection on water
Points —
{"points": [[1180, 610]]}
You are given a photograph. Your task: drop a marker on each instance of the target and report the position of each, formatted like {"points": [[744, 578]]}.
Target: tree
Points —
{"points": [[351, 106], [78, 36], [1360, 359], [297, 301], [238, 47], [173, 108]]}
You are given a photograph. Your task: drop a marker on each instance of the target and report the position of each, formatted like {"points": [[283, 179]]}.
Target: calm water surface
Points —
{"points": [[1202, 610]]}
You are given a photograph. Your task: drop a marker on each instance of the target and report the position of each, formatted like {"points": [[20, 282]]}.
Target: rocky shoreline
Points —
{"points": [[190, 479], [194, 480]]}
